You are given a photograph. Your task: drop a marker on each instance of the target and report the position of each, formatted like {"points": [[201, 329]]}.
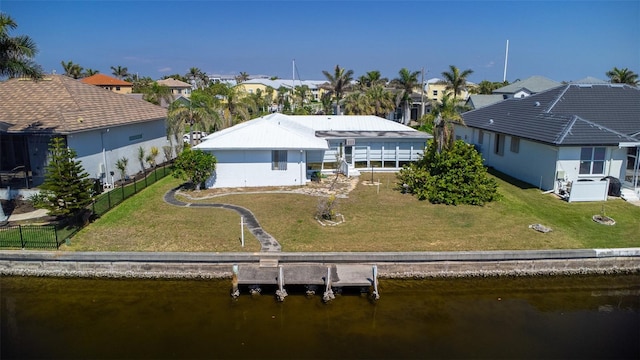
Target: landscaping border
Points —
{"points": [[390, 264]]}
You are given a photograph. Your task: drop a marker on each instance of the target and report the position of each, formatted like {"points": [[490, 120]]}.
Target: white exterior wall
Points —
{"points": [[615, 163], [117, 142], [252, 168], [539, 164]]}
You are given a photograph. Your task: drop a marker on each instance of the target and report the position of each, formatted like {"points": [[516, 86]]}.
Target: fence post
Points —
{"points": [[109, 199], [145, 179], [55, 232], [155, 175], [21, 237], [122, 190], [135, 188]]}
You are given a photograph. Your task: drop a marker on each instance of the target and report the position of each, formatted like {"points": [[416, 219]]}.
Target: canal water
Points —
{"points": [[550, 317]]}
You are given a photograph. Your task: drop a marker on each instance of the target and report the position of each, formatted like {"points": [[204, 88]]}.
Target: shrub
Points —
{"points": [[454, 176]]}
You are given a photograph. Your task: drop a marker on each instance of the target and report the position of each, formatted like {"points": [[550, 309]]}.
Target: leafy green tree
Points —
{"points": [[67, 188], [338, 84], [71, 69], [17, 52], [456, 80], [623, 76], [453, 177], [195, 166], [120, 72], [155, 93], [406, 82]]}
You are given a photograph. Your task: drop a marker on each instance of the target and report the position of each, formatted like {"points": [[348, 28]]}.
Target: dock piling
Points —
{"points": [[328, 292], [375, 295], [281, 293], [235, 292]]}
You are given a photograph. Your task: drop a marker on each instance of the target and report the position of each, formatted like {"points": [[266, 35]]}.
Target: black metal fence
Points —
{"points": [[29, 236], [52, 236]]}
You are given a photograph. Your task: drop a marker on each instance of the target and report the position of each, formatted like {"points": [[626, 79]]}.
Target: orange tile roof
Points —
{"points": [[60, 104], [101, 79]]}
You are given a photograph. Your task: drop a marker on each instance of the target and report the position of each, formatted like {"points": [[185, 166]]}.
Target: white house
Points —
{"points": [[100, 125], [566, 139], [283, 150]]}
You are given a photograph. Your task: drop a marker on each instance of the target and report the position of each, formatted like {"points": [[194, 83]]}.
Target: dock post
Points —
{"points": [[242, 230], [281, 293], [328, 293], [235, 292], [375, 295]]}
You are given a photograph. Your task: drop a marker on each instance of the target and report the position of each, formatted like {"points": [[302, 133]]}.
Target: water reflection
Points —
{"points": [[558, 317]]}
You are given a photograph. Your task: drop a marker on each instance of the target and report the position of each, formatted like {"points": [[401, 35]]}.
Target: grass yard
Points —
{"points": [[383, 220]]}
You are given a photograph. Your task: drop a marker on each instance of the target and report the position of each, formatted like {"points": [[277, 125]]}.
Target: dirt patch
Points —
{"points": [[17, 206], [339, 186]]}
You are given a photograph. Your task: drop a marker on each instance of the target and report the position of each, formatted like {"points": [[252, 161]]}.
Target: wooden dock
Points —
{"points": [[269, 272]]}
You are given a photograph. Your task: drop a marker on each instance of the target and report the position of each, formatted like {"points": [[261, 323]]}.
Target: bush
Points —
{"points": [[454, 176]]}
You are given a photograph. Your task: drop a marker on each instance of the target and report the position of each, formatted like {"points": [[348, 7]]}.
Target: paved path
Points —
{"points": [[268, 242]]}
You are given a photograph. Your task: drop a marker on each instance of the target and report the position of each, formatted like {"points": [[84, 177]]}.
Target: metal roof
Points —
{"points": [[534, 84], [279, 131], [568, 115]]}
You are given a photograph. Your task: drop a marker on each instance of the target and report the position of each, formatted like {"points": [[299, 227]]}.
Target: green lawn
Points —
{"points": [[376, 220]]}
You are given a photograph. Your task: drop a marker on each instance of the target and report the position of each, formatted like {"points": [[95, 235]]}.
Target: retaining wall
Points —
{"points": [[390, 264]]}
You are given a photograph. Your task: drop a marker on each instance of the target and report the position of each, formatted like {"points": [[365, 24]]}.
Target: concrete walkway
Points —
{"points": [[268, 242]]}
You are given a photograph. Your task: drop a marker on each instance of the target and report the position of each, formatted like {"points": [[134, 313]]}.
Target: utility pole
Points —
{"points": [[422, 95]]}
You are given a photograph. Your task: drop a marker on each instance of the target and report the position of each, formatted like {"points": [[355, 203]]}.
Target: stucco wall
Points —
{"points": [[253, 168], [118, 142]]}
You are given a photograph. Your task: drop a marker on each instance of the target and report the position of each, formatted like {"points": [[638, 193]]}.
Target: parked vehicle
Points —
{"points": [[197, 136]]}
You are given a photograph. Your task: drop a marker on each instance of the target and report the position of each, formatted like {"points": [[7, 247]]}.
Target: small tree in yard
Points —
{"points": [[141, 157], [195, 166], [454, 176], [121, 165], [67, 188]]}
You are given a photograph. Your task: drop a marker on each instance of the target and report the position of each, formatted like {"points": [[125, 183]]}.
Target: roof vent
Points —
{"points": [[490, 121], [537, 103]]}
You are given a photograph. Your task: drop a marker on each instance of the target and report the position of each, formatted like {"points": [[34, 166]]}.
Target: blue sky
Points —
{"points": [[562, 40]]}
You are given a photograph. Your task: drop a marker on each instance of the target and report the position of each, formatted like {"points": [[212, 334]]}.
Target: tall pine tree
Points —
{"points": [[67, 187]]}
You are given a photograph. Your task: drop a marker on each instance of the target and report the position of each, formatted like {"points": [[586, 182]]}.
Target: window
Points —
{"points": [[117, 88], [515, 144], [435, 92], [592, 160], [499, 149], [135, 137], [279, 160]]}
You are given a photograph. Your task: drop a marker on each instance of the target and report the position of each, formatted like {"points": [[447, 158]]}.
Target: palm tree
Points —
{"points": [[242, 77], [623, 76], [17, 53], [406, 82], [339, 83], [120, 72], [198, 78], [301, 94], [444, 114], [90, 72], [200, 112], [381, 100], [456, 80], [71, 69], [371, 78]]}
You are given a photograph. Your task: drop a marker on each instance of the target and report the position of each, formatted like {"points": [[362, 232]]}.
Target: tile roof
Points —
{"points": [[479, 100], [62, 105], [568, 115], [534, 84], [173, 83], [102, 79]]}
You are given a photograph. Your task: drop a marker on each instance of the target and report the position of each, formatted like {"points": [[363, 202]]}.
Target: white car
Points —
{"points": [[197, 136]]}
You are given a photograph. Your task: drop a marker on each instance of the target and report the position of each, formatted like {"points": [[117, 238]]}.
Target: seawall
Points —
{"points": [[389, 264]]}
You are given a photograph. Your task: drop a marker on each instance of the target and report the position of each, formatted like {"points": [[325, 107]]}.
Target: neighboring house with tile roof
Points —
{"points": [[178, 88], [99, 125], [286, 150], [526, 87], [570, 136], [476, 101], [109, 83]]}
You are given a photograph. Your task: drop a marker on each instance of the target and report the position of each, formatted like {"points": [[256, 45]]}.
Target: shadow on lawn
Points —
{"points": [[511, 180]]}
